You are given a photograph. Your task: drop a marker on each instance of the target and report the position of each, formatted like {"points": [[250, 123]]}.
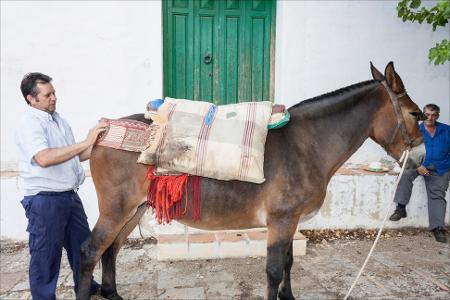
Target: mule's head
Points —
{"points": [[395, 125]]}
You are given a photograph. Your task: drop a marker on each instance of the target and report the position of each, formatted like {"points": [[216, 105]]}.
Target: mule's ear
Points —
{"points": [[393, 80], [375, 73]]}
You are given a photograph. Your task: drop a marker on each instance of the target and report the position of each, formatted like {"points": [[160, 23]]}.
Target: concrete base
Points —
{"points": [[219, 245]]}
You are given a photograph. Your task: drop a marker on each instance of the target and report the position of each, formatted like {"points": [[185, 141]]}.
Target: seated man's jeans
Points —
{"points": [[436, 187]]}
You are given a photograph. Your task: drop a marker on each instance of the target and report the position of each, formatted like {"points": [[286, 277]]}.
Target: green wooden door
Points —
{"points": [[219, 51]]}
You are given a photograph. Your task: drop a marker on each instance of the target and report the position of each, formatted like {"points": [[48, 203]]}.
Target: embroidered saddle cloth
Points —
{"points": [[126, 134], [199, 138]]}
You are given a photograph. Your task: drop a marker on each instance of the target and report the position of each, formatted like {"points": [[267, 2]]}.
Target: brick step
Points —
{"points": [[220, 244]]}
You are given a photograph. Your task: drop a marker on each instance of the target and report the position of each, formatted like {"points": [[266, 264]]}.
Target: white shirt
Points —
{"points": [[39, 130]]}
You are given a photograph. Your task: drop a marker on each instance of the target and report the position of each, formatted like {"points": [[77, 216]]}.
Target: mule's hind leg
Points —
{"points": [[279, 242], [285, 288], [109, 289]]}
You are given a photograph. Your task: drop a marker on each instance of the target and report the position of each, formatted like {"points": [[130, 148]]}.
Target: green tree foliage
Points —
{"points": [[438, 16]]}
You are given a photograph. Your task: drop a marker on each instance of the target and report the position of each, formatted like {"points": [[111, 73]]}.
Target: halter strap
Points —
{"points": [[398, 112]]}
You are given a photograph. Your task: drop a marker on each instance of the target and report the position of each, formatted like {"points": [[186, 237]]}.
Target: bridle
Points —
{"points": [[400, 120]]}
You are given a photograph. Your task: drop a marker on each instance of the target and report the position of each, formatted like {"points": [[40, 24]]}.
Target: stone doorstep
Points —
{"points": [[219, 244]]}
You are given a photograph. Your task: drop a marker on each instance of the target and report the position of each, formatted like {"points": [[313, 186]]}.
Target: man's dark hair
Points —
{"points": [[432, 107], [29, 83]]}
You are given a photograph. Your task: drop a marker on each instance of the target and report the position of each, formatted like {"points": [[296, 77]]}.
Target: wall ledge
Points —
{"points": [[349, 171]]}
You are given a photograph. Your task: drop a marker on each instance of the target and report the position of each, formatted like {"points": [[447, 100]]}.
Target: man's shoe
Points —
{"points": [[440, 234], [398, 214]]}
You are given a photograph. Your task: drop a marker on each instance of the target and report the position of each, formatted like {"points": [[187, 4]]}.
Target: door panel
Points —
{"points": [[180, 57], [231, 62], [260, 29], [206, 62], [219, 51], [178, 51], [257, 56]]}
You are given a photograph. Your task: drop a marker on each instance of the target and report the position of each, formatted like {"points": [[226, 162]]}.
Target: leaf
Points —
{"points": [[415, 4], [437, 16], [440, 53]]}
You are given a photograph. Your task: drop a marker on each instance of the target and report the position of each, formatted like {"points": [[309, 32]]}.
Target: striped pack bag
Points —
{"points": [[223, 142]]}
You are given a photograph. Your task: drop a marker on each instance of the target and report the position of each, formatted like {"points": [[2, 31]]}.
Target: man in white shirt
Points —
{"points": [[49, 163]]}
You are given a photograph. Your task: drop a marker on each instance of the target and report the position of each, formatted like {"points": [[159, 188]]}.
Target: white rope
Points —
{"points": [[405, 159]]}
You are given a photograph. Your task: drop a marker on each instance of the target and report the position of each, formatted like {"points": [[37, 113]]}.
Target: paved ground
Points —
{"points": [[405, 265]]}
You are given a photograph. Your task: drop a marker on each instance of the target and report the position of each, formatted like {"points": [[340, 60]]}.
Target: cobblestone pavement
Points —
{"points": [[402, 267]]}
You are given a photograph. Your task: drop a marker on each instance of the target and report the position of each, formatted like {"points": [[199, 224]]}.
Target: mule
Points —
{"points": [[300, 160]]}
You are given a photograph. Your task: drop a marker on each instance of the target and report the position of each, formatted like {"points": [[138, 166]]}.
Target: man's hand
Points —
{"points": [[95, 131], [92, 138], [423, 171]]}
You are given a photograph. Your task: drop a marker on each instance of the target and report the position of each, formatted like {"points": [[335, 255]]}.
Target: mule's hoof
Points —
{"points": [[283, 296], [110, 296]]}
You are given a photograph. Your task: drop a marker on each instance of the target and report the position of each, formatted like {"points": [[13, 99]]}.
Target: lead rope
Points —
{"points": [[405, 159]]}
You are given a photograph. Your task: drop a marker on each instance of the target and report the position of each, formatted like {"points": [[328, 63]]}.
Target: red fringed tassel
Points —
{"points": [[165, 193]]}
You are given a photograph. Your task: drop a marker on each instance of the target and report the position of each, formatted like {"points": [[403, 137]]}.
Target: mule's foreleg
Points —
{"points": [[109, 289], [279, 242], [285, 288], [104, 233]]}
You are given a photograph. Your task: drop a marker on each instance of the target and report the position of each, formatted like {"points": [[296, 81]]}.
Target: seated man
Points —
{"points": [[435, 171]]}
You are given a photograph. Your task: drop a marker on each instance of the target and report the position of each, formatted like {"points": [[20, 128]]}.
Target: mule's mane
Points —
{"points": [[335, 100]]}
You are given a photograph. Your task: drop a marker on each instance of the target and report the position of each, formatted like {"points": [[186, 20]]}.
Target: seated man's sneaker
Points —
{"points": [[398, 214], [440, 234]]}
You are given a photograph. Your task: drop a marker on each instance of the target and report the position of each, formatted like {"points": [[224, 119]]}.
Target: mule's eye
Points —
{"points": [[418, 115]]}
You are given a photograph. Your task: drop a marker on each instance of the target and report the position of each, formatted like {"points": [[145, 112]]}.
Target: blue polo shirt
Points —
{"points": [[438, 148]]}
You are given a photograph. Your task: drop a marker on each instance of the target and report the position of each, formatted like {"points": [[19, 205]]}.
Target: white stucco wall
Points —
{"points": [[106, 61], [322, 46]]}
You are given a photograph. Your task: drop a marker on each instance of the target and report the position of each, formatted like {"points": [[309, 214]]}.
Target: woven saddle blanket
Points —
{"points": [[199, 138], [126, 134]]}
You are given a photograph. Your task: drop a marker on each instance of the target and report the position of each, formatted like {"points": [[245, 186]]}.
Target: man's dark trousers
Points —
{"points": [[55, 220], [436, 188]]}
